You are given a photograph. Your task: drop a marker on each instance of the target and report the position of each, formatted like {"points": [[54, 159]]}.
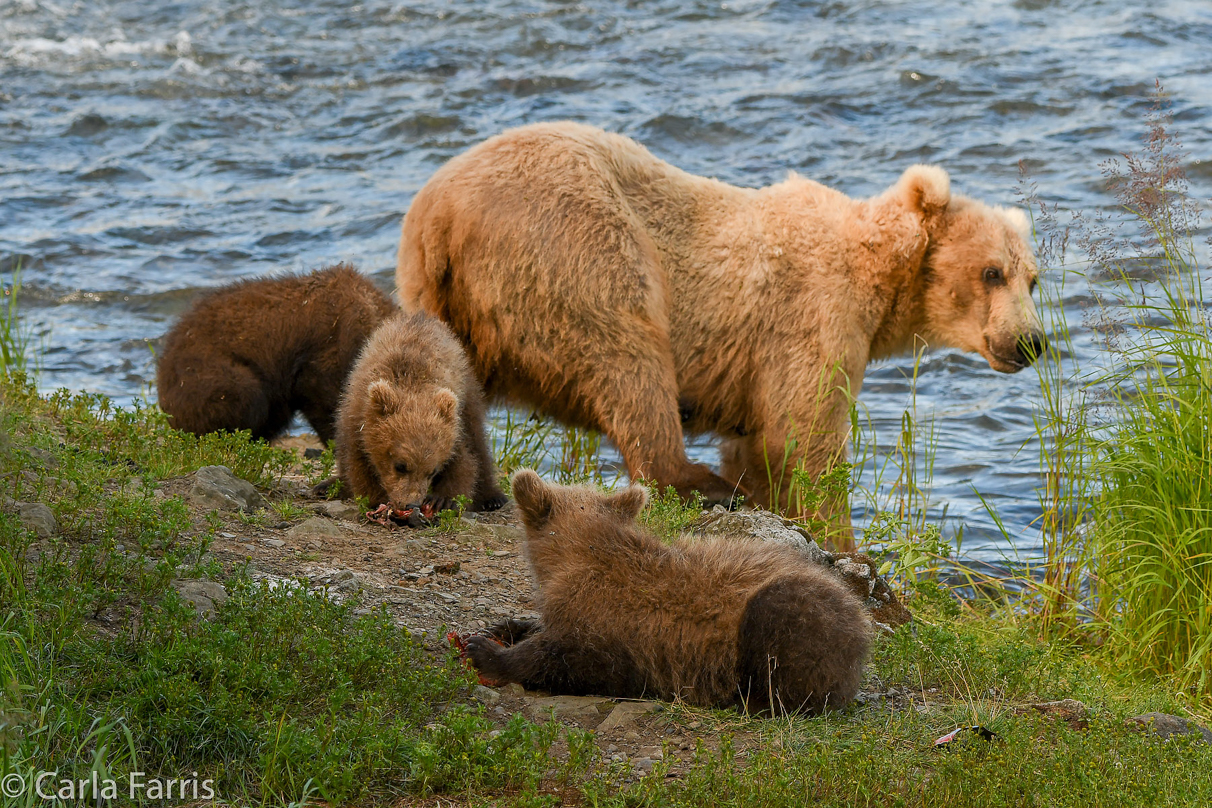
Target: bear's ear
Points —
{"points": [[926, 189], [628, 503], [446, 404], [383, 398], [533, 497], [1017, 220]]}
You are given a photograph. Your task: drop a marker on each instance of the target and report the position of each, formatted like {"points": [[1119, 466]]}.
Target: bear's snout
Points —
{"points": [[1031, 346]]}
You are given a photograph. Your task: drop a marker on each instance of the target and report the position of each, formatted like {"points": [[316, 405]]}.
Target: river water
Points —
{"points": [[151, 150]]}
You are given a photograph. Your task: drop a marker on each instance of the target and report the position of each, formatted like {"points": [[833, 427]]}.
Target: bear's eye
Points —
{"points": [[993, 275], [401, 468]]}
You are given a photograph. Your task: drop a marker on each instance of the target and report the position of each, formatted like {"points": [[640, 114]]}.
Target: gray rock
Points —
{"points": [[762, 525], [485, 695], [37, 517], [1164, 725], [625, 714], [315, 528], [274, 543], [204, 595], [514, 689], [337, 509], [568, 706], [216, 488], [857, 571], [643, 764]]}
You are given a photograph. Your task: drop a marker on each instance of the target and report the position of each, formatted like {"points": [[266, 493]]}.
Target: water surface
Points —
{"points": [[151, 150]]}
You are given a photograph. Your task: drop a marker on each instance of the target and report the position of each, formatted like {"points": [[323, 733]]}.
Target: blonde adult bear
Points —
{"points": [[607, 288]]}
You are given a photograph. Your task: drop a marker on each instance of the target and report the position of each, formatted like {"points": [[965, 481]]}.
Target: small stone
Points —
{"points": [[216, 488], [485, 695], [514, 689], [314, 528], [37, 517], [275, 543], [643, 764], [652, 753], [500, 553], [312, 453], [225, 535], [203, 595]]}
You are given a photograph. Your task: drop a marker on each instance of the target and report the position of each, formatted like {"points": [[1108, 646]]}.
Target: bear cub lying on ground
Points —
{"points": [[712, 622], [252, 354], [410, 430]]}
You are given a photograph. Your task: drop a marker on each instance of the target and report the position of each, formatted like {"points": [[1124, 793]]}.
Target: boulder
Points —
{"points": [[858, 571], [33, 516], [215, 488], [204, 595], [1164, 726]]}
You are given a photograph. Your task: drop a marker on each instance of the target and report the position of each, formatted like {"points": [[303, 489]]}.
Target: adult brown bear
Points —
{"points": [[614, 291]]}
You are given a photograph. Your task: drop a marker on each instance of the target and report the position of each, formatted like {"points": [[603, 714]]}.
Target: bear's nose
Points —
{"points": [[1031, 346]]}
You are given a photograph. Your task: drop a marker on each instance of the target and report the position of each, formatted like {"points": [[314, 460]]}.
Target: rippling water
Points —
{"points": [[149, 150]]}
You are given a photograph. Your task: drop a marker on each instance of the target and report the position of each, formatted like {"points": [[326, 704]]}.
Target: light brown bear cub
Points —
{"points": [[711, 622], [252, 354], [410, 432]]}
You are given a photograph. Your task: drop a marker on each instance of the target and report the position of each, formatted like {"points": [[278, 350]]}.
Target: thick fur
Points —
{"points": [[252, 354], [710, 622], [614, 291], [411, 429]]}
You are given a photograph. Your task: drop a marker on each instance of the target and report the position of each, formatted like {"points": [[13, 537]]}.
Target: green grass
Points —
{"points": [[1127, 443], [286, 697]]}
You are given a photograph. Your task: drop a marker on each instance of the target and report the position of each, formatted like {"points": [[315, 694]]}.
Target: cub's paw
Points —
{"points": [[436, 504], [485, 653], [493, 502]]}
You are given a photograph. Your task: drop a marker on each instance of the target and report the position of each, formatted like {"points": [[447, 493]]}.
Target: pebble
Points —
{"points": [[275, 543]]}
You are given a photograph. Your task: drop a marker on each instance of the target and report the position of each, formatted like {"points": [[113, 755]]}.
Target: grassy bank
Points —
{"points": [[285, 696]]}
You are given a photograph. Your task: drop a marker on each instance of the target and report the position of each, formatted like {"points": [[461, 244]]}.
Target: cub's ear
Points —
{"points": [[628, 503], [1017, 220], [926, 189], [383, 397], [533, 497], [446, 404]]}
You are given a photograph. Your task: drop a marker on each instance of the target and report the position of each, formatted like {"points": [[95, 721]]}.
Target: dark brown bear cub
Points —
{"points": [[252, 354], [411, 426], [711, 622]]}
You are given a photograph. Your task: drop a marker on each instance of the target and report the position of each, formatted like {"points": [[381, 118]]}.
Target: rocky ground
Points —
{"points": [[463, 576]]}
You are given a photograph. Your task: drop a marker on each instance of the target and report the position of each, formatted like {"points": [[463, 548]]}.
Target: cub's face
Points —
{"points": [[409, 436], [982, 275]]}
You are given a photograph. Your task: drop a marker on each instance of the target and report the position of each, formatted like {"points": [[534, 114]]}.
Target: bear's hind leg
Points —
{"points": [[801, 646]]}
